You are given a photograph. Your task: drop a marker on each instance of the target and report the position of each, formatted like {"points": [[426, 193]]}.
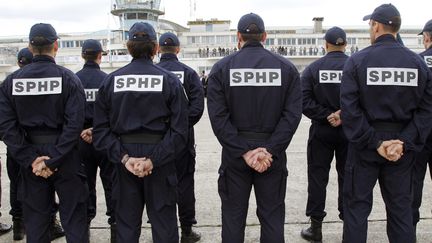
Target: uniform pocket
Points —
{"points": [[222, 184], [171, 189], [283, 184], [165, 191], [348, 187]]}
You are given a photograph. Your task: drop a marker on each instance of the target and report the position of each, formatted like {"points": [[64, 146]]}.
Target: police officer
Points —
{"points": [[386, 108], [24, 58], [42, 107], [425, 156], [91, 78], [13, 168], [321, 90], [254, 105], [169, 46], [140, 121]]}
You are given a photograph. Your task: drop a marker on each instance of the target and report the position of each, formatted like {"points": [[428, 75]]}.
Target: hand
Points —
{"points": [[258, 159], [143, 167], [87, 135], [133, 165], [39, 167], [334, 119], [391, 150], [395, 151]]}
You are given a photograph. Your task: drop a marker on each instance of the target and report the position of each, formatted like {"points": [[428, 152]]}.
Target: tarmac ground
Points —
{"points": [[208, 201]]}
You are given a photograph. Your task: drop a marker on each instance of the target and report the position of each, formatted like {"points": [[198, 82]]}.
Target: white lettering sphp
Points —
{"points": [[180, 75], [428, 60], [90, 94], [392, 76], [36, 86], [138, 83], [330, 76], [255, 77]]}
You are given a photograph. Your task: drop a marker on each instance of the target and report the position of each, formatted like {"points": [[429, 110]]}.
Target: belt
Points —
{"points": [[43, 137], [144, 138], [388, 126], [255, 135]]}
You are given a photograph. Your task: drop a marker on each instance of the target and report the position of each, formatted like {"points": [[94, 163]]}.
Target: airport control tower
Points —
{"points": [[131, 11]]}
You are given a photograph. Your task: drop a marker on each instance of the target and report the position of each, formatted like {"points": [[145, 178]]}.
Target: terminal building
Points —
{"points": [[203, 42]]}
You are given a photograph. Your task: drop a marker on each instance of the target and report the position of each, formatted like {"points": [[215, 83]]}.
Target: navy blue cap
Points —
{"points": [[335, 36], [25, 56], [91, 46], [427, 27], [384, 14], [169, 39], [141, 31], [46, 31], [247, 20]]}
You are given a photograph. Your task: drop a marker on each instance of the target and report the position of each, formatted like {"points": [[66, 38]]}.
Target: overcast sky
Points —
{"points": [[17, 16]]}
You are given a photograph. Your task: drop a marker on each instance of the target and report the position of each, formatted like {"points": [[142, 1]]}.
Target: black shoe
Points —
{"points": [[4, 228], [314, 232], [188, 235], [113, 233], [18, 229], [56, 230]]}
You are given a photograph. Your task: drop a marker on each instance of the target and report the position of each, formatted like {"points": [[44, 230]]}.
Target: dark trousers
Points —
{"points": [[13, 171], [420, 166], [157, 192], [324, 143], [36, 195], [361, 174], [235, 183], [185, 168], [92, 160]]}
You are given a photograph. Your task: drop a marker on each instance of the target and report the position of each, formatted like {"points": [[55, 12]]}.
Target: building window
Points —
{"points": [[142, 15], [191, 39], [269, 42], [234, 39], [131, 16], [351, 41], [222, 39], [208, 39], [209, 27]]}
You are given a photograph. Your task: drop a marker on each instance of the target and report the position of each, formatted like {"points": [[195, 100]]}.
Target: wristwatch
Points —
{"points": [[125, 159]]}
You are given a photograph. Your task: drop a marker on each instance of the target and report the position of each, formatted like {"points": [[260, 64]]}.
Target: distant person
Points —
{"points": [[204, 82], [254, 105], [25, 57], [386, 97], [91, 78], [424, 158], [169, 46], [41, 125], [321, 82]]}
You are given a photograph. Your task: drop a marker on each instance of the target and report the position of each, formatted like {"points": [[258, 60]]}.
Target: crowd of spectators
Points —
{"points": [[281, 50]]}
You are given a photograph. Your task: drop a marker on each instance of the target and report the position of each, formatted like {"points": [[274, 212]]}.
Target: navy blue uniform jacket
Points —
{"points": [[364, 104], [321, 96], [22, 114], [129, 112], [262, 109], [91, 78], [427, 56], [191, 84]]}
